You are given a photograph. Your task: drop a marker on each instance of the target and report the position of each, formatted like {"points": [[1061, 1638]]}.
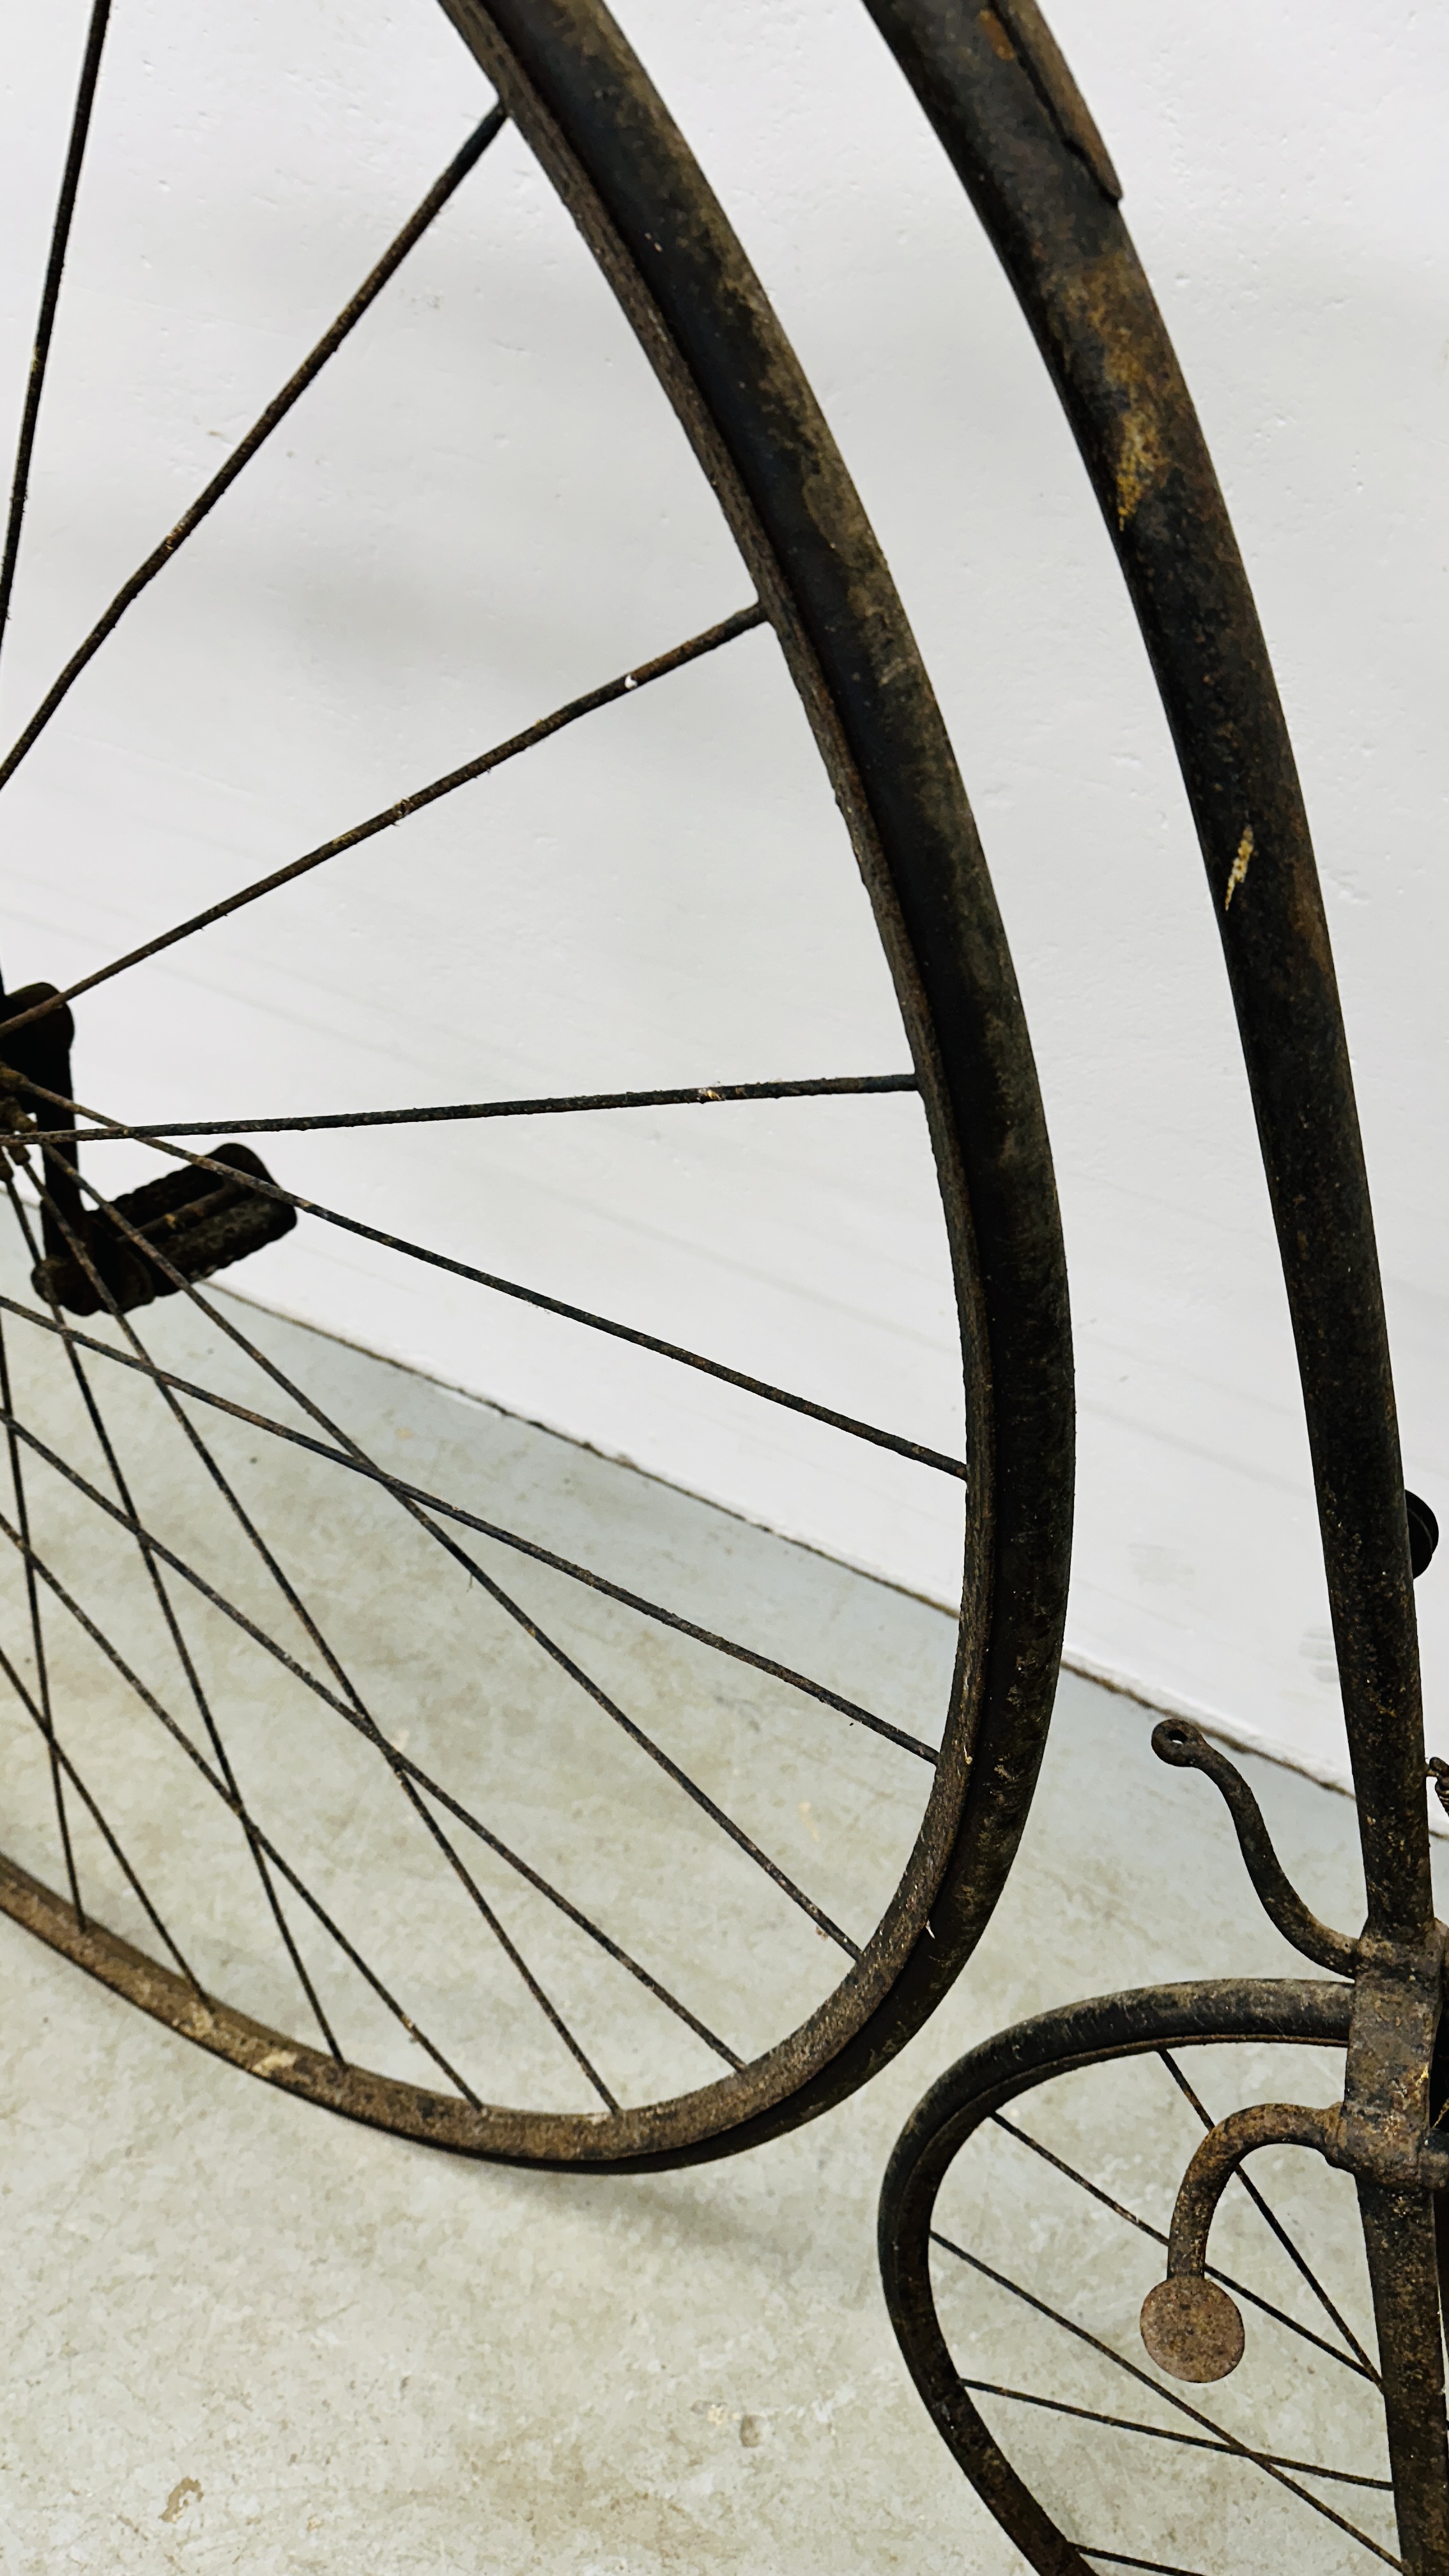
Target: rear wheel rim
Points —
{"points": [[1038, 2448]]}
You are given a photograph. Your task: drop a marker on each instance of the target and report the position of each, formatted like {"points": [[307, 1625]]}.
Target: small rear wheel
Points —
{"points": [[1024, 2220]]}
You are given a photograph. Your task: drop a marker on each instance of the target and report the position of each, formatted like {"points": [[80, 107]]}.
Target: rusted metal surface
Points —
{"points": [[1020, 138], [1067, 252], [1383, 2132], [429, 2118], [1189, 2325], [1399, 2236], [1192, 2328]]}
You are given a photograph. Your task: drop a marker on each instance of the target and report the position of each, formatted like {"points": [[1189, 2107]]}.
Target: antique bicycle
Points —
{"points": [[1072, 2249]]}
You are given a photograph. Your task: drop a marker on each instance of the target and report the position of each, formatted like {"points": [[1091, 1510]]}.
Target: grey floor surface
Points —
{"points": [[243, 2335]]}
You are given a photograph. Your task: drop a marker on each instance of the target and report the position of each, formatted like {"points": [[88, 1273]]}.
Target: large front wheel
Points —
{"points": [[385, 1773]]}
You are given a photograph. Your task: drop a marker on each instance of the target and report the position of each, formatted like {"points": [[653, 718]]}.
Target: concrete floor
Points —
{"points": [[243, 2334]]}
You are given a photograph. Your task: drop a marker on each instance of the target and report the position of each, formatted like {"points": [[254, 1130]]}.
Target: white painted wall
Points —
{"points": [[484, 508]]}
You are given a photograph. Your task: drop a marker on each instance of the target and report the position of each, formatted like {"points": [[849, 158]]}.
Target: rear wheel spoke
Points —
{"points": [[1166, 2433], [1363, 2368], [1149, 2566], [1167, 2396]]}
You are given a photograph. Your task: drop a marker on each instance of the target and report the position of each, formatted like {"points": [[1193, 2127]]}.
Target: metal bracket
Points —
{"points": [[1380, 2132], [1186, 1747], [1383, 2132]]}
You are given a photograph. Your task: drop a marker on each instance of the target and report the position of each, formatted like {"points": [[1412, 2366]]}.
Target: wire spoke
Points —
{"points": [[167, 1606], [571, 1314], [279, 1377], [50, 300], [261, 429], [575, 1915], [103, 1828], [399, 1486], [612, 690], [224, 1325], [535, 1297], [374, 1732], [646, 1743], [824, 1087], [290, 1594], [531, 1628], [438, 196], [509, 1947], [1150, 2566], [188, 1636], [218, 1786], [1167, 2433], [1280, 2316], [575, 1671], [302, 1613], [343, 1709], [1276, 2224], [360, 1964], [37, 1637], [1168, 2396], [146, 1365]]}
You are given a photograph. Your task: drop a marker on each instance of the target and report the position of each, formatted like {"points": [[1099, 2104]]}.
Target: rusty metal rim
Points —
{"points": [[1021, 141], [581, 100], [1297, 2011]]}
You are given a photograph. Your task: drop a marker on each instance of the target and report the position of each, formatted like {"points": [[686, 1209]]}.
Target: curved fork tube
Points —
{"points": [[1022, 156], [1399, 2240]]}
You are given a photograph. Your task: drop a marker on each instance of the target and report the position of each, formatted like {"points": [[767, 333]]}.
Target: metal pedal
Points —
{"points": [[192, 1221], [197, 1221]]}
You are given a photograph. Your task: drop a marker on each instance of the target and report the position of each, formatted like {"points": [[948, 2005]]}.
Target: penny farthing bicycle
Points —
{"points": [[266, 1774], [1074, 2255]]}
